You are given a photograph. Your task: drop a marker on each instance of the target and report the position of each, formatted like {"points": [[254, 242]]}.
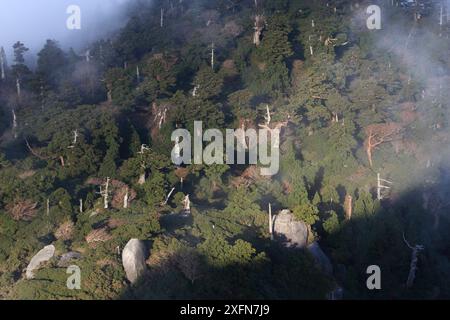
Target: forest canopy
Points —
{"points": [[85, 155]]}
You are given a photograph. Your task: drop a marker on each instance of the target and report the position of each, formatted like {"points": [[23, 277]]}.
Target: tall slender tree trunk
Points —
{"points": [[18, 87], [106, 194], [270, 222], [348, 207], [125, 200], [412, 267], [2, 63], [14, 124]]}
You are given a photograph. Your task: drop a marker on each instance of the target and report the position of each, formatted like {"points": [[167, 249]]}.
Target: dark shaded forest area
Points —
{"points": [[364, 179]]}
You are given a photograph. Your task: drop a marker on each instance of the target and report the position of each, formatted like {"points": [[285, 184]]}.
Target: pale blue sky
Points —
{"points": [[34, 21]]}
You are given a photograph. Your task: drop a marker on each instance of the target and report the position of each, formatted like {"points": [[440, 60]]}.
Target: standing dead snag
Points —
{"points": [[75, 139], [160, 116], [143, 174], [119, 195], [348, 206], [18, 87], [259, 27], [125, 199], [104, 192], [212, 55], [271, 219], [2, 63], [122, 195], [278, 127], [378, 134], [14, 124], [381, 186], [138, 74], [413, 266], [186, 206], [87, 55]]}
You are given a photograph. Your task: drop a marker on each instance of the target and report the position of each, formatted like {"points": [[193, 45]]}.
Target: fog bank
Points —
{"points": [[34, 21]]}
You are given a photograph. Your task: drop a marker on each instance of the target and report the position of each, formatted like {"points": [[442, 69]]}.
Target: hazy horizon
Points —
{"points": [[46, 19]]}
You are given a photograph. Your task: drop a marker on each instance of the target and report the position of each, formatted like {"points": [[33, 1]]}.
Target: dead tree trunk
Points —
{"points": [[75, 139], [212, 56], [14, 124], [259, 27], [194, 92], [413, 265], [125, 200], [378, 134], [348, 206], [168, 196], [142, 176], [105, 193], [381, 186], [186, 205], [270, 222], [2, 63], [18, 87]]}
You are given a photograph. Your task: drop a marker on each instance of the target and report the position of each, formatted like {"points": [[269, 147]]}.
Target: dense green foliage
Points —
{"points": [[337, 86]]}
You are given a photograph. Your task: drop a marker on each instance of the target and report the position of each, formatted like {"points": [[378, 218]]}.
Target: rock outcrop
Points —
{"points": [[321, 258], [293, 233], [66, 259], [42, 256], [133, 259]]}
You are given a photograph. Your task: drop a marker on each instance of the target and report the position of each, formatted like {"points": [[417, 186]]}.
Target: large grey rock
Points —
{"points": [[67, 258], [133, 259], [294, 233], [42, 256], [321, 258]]}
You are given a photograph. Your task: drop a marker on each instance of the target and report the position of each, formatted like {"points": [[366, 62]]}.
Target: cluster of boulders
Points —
{"points": [[133, 260], [286, 228], [45, 255]]}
